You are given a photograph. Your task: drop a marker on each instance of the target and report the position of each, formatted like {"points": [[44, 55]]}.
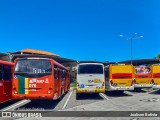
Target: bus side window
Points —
{"points": [[1, 72], [55, 72], [66, 75], [7, 74], [62, 73]]}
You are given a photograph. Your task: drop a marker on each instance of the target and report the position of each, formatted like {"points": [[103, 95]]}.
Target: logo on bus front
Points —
{"points": [[95, 81]]}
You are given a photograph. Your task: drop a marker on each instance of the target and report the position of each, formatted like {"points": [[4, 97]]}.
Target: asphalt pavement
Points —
{"points": [[144, 100]]}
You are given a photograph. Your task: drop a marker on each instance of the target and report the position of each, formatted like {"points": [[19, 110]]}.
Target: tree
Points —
{"points": [[158, 56]]}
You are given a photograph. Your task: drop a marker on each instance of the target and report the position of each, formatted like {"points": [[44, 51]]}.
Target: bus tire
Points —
{"points": [[60, 97], [66, 91]]}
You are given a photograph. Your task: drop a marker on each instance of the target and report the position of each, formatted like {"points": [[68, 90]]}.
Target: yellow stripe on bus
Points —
{"points": [[26, 85]]}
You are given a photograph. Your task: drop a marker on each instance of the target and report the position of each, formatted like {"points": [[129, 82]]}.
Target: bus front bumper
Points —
{"points": [[83, 90], [112, 88], [143, 85], [32, 96]]}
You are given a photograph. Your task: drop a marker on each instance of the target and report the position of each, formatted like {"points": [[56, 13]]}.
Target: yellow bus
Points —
{"points": [[143, 77], [119, 77], [156, 76]]}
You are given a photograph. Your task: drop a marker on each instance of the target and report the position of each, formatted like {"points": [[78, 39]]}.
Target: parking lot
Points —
{"points": [[145, 99]]}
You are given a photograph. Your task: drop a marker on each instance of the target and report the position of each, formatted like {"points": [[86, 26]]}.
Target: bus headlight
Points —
{"points": [[49, 91], [15, 91]]}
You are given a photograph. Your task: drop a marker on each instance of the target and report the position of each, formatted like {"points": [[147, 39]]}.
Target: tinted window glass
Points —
{"points": [[33, 66], [7, 74], [62, 73], [55, 72], [90, 69], [1, 72]]}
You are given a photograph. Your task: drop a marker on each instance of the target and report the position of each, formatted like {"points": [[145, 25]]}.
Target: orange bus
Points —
{"points": [[39, 78], [6, 75], [143, 77]]}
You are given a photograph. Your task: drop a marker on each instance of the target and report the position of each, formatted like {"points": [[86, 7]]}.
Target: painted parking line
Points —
{"points": [[104, 96], [16, 105], [64, 106]]}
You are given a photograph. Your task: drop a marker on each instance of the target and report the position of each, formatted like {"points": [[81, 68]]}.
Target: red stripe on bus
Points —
{"points": [[143, 75], [156, 75], [121, 75]]}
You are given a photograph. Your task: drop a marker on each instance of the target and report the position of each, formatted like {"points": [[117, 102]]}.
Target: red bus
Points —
{"points": [[6, 75], [39, 78]]}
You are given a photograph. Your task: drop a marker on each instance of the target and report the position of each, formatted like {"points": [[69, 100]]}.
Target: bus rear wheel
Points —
{"points": [[60, 97]]}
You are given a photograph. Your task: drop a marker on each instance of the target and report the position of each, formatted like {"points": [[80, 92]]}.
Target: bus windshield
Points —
{"points": [[90, 69], [33, 66]]}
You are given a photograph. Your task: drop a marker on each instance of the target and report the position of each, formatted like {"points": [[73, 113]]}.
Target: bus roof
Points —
{"points": [[64, 61], [141, 61], [79, 62], [108, 63], [5, 62], [91, 64]]}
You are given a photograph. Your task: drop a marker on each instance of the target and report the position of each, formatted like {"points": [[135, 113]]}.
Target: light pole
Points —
{"points": [[131, 38]]}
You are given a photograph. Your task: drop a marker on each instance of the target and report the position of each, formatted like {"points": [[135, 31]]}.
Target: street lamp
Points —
{"points": [[131, 38]]}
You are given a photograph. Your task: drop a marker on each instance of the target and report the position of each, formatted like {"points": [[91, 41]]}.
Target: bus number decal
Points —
{"points": [[32, 85], [36, 81]]}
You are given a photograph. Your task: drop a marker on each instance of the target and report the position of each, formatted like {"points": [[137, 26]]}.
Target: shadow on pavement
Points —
{"points": [[88, 96], [8, 103], [117, 94], [155, 92], [139, 91], [40, 104]]}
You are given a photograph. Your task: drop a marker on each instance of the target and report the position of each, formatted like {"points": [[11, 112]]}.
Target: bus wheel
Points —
{"points": [[66, 91], [63, 92], [60, 97]]}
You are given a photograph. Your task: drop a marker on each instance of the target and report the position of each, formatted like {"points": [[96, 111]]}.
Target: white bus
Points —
{"points": [[90, 78]]}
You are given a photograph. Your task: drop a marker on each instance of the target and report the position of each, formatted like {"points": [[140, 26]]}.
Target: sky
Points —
{"points": [[82, 29]]}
